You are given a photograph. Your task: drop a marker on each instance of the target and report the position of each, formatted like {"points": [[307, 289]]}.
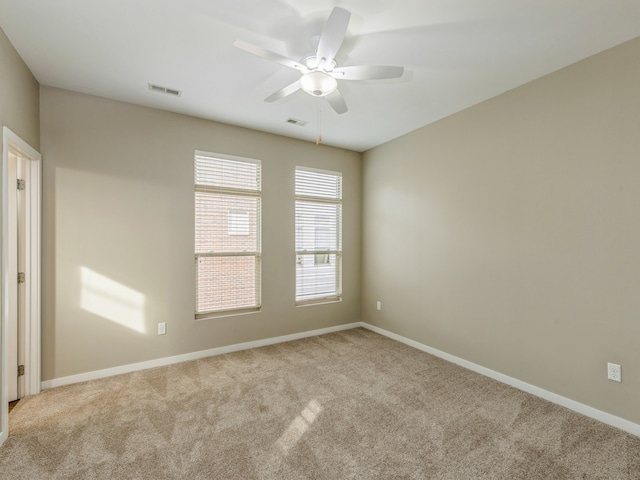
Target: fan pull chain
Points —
{"points": [[318, 120]]}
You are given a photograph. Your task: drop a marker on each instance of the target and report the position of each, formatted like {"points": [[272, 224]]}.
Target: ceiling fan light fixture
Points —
{"points": [[318, 84]]}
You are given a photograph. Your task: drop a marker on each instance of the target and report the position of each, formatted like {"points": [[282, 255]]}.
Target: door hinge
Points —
{"points": [[21, 277], [20, 184], [20, 370]]}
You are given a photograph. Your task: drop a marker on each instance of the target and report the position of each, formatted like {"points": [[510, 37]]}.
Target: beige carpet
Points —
{"points": [[346, 405]]}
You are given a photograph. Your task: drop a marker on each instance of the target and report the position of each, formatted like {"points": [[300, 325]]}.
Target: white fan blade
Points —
{"points": [[332, 36], [368, 72], [274, 57], [283, 92], [337, 102]]}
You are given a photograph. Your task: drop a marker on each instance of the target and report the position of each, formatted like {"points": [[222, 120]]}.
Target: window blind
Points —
{"points": [[227, 234], [318, 215]]}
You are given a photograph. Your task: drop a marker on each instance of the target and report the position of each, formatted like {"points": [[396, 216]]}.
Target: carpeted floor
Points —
{"points": [[352, 404]]}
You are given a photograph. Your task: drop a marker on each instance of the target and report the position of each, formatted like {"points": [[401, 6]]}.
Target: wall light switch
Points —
{"points": [[379, 305], [162, 328]]}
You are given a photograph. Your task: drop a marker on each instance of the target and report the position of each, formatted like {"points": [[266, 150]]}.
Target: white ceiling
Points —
{"points": [[456, 53]]}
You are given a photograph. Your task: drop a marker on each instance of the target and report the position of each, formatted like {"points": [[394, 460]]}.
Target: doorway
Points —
{"points": [[20, 326], [17, 181]]}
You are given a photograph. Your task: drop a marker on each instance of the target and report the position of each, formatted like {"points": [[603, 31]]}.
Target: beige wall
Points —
{"points": [[19, 95], [118, 234], [509, 234]]}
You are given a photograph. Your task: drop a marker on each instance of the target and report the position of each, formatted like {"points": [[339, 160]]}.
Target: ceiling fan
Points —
{"points": [[319, 71]]}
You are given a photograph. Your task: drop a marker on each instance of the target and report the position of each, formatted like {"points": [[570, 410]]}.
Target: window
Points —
{"points": [[238, 223], [318, 236], [227, 234]]}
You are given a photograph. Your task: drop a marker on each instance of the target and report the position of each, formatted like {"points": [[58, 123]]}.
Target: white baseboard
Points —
{"points": [[604, 417], [160, 362]]}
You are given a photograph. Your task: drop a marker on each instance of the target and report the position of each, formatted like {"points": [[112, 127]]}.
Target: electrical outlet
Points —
{"points": [[613, 372], [162, 328], [379, 305]]}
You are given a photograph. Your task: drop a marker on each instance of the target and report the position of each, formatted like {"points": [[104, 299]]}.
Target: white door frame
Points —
{"points": [[32, 275]]}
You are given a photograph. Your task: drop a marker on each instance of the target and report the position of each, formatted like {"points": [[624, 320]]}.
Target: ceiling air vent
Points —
{"points": [[170, 91], [295, 121]]}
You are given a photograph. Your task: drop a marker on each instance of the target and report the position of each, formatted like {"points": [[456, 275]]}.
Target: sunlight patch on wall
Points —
{"points": [[299, 426], [111, 300]]}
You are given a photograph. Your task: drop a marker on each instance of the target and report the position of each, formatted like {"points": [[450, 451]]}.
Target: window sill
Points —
{"points": [[226, 313], [319, 301]]}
